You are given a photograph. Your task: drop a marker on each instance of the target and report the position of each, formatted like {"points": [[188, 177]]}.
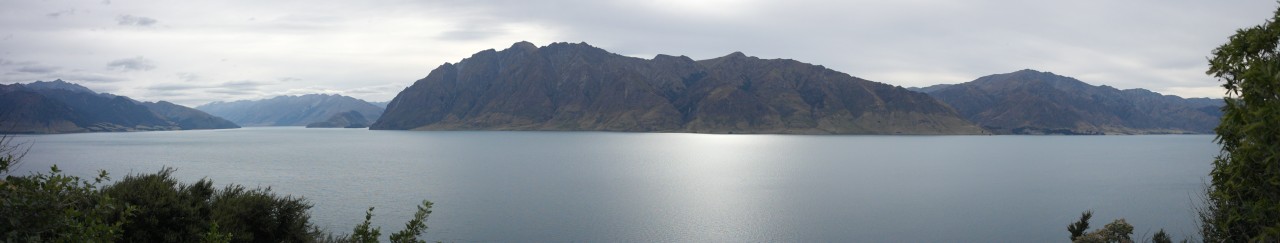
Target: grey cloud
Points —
{"points": [[60, 13], [307, 23], [241, 87], [309, 18], [131, 64], [30, 71], [375, 89], [38, 69], [174, 87], [189, 92], [233, 91], [26, 71], [7, 62], [109, 88], [79, 75], [243, 84], [366, 91], [135, 20], [471, 33], [188, 76], [164, 94]]}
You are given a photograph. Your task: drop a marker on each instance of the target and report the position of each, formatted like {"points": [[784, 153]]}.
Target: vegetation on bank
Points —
{"points": [[1118, 231], [56, 207], [1244, 193], [1243, 198]]}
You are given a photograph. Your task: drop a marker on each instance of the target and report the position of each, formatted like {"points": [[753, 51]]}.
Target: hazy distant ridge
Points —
{"points": [[63, 107], [290, 110], [1034, 102]]}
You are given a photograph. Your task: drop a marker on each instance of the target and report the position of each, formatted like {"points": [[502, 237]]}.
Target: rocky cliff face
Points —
{"points": [[579, 87], [61, 107], [1034, 102], [290, 110]]}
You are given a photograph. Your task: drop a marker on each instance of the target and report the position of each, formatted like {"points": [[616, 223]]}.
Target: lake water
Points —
{"points": [[627, 187]]}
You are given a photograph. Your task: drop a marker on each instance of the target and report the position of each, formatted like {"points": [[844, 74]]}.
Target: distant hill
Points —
{"points": [[63, 107], [575, 87], [186, 116], [1034, 102], [349, 119], [380, 104], [290, 110], [929, 89]]}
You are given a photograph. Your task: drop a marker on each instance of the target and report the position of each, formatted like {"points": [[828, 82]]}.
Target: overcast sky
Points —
{"points": [[192, 52]]}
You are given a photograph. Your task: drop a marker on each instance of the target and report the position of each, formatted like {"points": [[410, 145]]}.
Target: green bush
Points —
{"points": [[258, 215], [168, 211], [1244, 194], [1117, 231], [1077, 229], [54, 207], [1161, 237]]}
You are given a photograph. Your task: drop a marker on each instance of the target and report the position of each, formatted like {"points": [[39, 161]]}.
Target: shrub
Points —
{"points": [[1244, 194], [54, 207]]}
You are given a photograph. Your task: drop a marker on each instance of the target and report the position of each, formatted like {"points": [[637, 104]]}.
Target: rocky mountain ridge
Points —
{"points": [[578, 87], [1035, 102], [63, 107]]}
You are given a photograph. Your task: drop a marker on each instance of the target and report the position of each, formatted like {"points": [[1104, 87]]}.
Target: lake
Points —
{"points": [[647, 187]]}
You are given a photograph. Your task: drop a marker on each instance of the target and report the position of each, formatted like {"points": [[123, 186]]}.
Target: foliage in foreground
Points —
{"points": [[363, 233], [55, 207], [1243, 201], [1117, 231]]}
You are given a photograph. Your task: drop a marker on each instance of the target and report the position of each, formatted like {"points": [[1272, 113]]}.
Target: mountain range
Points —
{"points": [[349, 119], [578, 87], [61, 107], [290, 110], [575, 87], [1035, 102]]}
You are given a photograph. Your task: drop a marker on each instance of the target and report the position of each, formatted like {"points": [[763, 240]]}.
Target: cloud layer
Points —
{"points": [[131, 64], [135, 20], [193, 52]]}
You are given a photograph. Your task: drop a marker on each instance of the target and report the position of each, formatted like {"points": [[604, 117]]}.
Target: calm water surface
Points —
{"points": [[609, 187]]}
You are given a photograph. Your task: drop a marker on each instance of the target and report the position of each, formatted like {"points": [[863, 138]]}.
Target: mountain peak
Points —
{"points": [[735, 57], [573, 47], [567, 44], [665, 58], [523, 45], [58, 84], [1028, 70]]}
